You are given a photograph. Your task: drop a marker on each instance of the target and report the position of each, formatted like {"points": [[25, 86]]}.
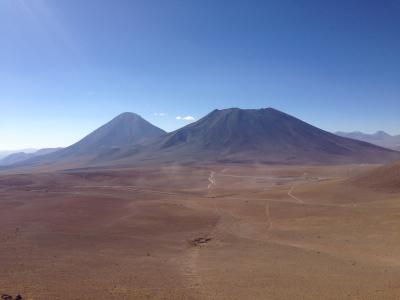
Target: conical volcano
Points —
{"points": [[258, 135]]}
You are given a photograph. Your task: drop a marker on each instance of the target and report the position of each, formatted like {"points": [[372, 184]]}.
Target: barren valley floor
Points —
{"points": [[199, 232]]}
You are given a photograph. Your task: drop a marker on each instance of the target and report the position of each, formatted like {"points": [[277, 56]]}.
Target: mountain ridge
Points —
{"points": [[380, 138], [21, 156], [231, 135], [255, 135]]}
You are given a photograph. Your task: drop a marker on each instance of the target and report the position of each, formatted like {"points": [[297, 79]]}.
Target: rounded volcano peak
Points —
{"points": [[267, 135], [127, 116]]}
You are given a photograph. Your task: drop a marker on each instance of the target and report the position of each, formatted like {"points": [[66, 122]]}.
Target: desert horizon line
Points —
{"points": [[189, 119], [263, 135]]}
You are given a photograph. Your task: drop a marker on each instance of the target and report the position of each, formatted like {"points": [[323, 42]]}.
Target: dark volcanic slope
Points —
{"points": [[250, 135], [125, 130]]}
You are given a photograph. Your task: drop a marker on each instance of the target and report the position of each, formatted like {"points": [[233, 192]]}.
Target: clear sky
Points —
{"points": [[68, 66]]}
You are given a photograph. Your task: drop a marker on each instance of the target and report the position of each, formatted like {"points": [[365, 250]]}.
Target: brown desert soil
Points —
{"points": [[199, 232]]}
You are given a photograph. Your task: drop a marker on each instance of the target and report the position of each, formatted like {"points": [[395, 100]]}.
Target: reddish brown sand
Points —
{"points": [[214, 232]]}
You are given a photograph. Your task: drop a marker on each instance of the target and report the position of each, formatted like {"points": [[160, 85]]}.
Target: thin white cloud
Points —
{"points": [[187, 118], [159, 114]]}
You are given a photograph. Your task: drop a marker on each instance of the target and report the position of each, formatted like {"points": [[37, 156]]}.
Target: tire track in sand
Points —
{"points": [[290, 194], [192, 278], [268, 219], [211, 179]]}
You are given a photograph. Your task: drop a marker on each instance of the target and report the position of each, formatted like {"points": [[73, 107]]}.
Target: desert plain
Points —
{"points": [[226, 231]]}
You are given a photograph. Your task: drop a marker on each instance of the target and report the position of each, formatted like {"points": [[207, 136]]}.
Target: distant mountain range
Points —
{"points": [[18, 157], [5, 153], [379, 138], [223, 136]]}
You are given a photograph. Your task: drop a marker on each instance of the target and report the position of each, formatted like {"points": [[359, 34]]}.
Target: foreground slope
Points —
{"points": [[382, 178], [251, 135]]}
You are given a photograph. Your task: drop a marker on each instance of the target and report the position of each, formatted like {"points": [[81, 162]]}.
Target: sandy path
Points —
{"points": [[290, 194], [189, 269], [268, 219], [211, 179], [127, 188]]}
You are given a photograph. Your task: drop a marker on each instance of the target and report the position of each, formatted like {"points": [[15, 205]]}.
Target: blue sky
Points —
{"points": [[68, 66]]}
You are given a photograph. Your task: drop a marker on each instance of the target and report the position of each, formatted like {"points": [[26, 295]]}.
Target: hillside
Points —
{"points": [[254, 135], [127, 129], [385, 178]]}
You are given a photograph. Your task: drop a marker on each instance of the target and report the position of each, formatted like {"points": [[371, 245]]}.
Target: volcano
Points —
{"points": [[125, 130], [234, 135], [256, 136]]}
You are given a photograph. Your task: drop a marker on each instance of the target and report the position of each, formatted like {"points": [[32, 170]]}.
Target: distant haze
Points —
{"points": [[379, 138], [20, 156], [4, 153]]}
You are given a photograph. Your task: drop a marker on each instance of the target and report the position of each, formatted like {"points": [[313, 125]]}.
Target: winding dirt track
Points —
{"points": [[290, 194], [198, 233], [211, 179]]}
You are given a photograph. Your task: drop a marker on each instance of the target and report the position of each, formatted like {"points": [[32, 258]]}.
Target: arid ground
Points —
{"points": [[199, 232]]}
